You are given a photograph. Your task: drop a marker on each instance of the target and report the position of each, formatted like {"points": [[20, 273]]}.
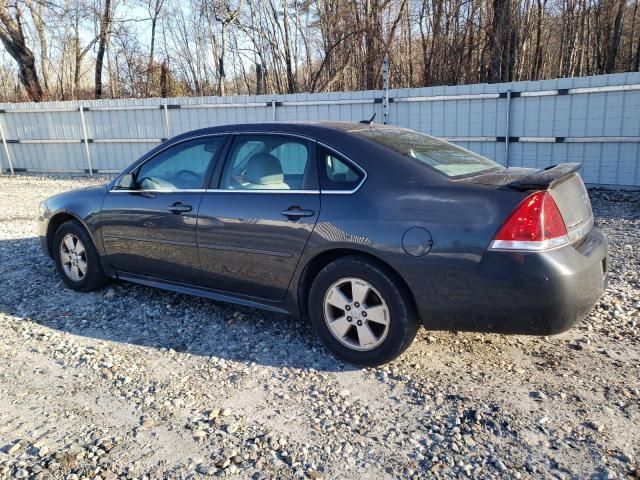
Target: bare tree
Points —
{"points": [[13, 39], [103, 36], [499, 40], [222, 47], [155, 9], [79, 52], [616, 34], [224, 14], [37, 11]]}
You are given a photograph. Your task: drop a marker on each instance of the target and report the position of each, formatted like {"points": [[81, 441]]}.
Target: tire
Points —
{"points": [[387, 329], [84, 252]]}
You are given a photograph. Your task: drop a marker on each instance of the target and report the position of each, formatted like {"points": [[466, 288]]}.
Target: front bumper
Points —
{"points": [[43, 225], [539, 293]]}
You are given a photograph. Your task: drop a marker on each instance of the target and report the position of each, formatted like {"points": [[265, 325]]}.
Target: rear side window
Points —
{"points": [[336, 172], [445, 157], [265, 162], [293, 157]]}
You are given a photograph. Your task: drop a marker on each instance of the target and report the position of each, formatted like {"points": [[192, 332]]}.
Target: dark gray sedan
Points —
{"points": [[367, 230]]}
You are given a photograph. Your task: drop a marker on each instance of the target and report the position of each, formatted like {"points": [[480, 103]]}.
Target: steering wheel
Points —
{"points": [[154, 183], [184, 177]]}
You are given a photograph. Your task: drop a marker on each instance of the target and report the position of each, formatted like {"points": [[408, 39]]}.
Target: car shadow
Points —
{"points": [[127, 313]]}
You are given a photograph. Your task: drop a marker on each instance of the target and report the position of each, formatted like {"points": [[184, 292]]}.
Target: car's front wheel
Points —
{"points": [[360, 312], [76, 258]]}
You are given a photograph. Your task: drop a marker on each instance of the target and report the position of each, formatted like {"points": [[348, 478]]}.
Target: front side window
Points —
{"points": [[445, 157], [265, 162], [336, 173], [180, 167]]}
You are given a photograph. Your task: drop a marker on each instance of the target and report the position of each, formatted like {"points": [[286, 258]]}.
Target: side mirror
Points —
{"points": [[127, 182]]}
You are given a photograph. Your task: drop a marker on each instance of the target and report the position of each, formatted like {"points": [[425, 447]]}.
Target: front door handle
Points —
{"points": [[295, 212], [178, 208]]}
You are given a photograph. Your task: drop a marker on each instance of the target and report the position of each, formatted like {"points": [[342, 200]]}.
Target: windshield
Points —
{"points": [[449, 159]]}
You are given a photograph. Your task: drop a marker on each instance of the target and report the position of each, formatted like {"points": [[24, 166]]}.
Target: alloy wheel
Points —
{"points": [[356, 313], [73, 257]]}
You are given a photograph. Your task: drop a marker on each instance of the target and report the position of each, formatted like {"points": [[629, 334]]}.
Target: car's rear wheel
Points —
{"points": [[360, 312], [76, 258]]}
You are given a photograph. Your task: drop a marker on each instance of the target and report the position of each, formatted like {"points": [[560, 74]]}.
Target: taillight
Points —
{"points": [[535, 224]]}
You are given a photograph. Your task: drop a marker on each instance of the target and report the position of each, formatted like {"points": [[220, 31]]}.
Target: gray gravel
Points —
{"points": [[132, 382]]}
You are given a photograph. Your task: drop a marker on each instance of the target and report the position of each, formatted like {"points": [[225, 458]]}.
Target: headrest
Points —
{"points": [[264, 169]]}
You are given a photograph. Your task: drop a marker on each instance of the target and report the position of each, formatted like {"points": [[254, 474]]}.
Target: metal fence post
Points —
{"points": [[86, 139], [167, 126], [385, 80], [506, 130], [273, 109], [6, 150]]}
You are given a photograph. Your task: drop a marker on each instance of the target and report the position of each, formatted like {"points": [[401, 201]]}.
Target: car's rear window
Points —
{"points": [[449, 159]]}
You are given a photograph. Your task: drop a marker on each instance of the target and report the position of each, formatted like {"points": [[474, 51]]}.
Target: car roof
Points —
{"points": [[314, 129]]}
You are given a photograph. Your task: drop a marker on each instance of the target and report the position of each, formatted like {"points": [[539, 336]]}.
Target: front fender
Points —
{"points": [[83, 205]]}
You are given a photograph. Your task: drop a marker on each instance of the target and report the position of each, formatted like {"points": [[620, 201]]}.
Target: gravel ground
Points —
{"points": [[132, 382]]}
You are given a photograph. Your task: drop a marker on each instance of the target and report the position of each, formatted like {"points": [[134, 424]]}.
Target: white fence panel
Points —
{"points": [[591, 120]]}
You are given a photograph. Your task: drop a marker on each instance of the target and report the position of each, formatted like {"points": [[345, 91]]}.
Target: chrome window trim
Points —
{"points": [[266, 190], [114, 189], [362, 170], [164, 190]]}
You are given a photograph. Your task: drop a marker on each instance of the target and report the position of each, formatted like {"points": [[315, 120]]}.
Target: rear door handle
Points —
{"points": [[294, 213], [179, 208]]}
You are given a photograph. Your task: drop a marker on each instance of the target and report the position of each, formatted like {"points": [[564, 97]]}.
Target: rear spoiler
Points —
{"points": [[547, 178]]}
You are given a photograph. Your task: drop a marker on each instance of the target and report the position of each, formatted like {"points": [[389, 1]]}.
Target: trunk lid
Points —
{"points": [[563, 183]]}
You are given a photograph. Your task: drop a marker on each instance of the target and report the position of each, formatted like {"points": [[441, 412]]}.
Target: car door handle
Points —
{"points": [[179, 208], [294, 213]]}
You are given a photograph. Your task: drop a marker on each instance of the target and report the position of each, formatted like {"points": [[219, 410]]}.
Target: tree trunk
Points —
{"points": [[537, 56], [635, 60], [221, 72], [12, 37], [291, 81], [498, 39], [155, 14], [231, 16], [612, 51], [76, 67], [36, 15], [632, 34], [150, 63], [426, 58], [511, 56], [164, 79], [259, 90], [103, 37]]}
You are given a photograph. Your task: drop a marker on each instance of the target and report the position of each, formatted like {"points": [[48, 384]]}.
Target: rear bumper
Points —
{"points": [[539, 293]]}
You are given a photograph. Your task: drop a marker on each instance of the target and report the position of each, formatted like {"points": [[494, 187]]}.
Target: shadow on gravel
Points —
{"points": [[128, 313]]}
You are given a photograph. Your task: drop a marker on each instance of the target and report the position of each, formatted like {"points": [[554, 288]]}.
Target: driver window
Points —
{"points": [[181, 167]]}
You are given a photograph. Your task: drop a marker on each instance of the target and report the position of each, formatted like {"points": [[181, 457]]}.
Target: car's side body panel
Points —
{"points": [[83, 205], [141, 236], [247, 246], [211, 294], [461, 223]]}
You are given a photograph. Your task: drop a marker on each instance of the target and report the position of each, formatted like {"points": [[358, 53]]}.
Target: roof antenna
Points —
{"points": [[370, 121]]}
